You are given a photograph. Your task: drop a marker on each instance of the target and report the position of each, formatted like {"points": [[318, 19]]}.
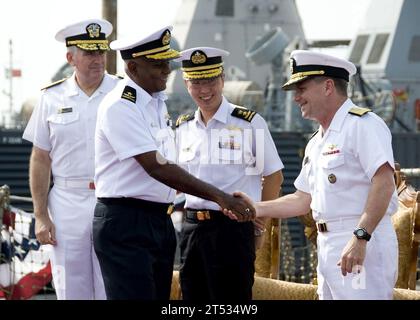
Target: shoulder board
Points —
{"points": [[358, 111], [129, 94], [243, 113], [54, 84], [119, 76], [184, 118]]}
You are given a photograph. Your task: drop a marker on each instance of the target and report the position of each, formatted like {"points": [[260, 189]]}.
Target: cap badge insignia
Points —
{"points": [[166, 39], [198, 57], [93, 30]]}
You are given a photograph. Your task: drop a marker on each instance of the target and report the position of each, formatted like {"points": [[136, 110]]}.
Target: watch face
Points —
{"points": [[360, 233]]}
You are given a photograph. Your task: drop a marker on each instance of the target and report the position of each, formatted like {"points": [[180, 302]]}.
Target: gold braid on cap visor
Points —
{"points": [[89, 44], [158, 53], [297, 77], [204, 74], [306, 73], [170, 54]]}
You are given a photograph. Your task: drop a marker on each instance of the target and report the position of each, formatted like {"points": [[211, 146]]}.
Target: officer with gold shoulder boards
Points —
{"points": [[62, 129], [346, 179], [230, 147], [135, 175]]}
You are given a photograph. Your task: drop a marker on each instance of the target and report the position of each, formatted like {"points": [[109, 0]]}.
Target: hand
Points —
{"points": [[238, 208], [353, 256], [45, 230], [246, 214]]}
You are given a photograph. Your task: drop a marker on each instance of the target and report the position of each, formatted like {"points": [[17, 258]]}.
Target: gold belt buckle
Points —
{"points": [[321, 225], [203, 215], [170, 209], [200, 215]]}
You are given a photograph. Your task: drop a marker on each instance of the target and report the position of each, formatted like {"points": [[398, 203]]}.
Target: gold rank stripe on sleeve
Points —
{"points": [[129, 94], [243, 113], [54, 84], [358, 111], [184, 118]]}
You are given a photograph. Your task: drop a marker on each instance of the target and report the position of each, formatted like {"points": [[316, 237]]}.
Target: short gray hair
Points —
{"points": [[72, 49], [340, 84]]}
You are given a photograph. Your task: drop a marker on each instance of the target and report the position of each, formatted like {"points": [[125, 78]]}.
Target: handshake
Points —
{"points": [[238, 206]]}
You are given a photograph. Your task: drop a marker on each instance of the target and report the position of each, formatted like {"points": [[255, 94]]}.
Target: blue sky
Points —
{"points": [[32, 26]]}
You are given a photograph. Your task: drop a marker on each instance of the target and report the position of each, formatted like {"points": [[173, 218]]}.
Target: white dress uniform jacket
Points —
{"points": [[63, 123], [132, 122], [338, 167], [230, 153], [337, 171]]}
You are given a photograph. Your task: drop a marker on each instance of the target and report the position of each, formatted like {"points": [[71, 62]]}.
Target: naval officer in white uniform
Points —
{"points": [[62, 129], [134, 236], [347, 180], [230, 147]]}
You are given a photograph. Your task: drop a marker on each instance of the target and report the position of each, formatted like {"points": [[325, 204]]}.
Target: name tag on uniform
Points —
{"points": [[65, 110]]}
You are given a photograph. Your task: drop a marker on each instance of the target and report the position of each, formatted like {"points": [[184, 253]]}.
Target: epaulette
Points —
{"points": [[184, 118], [119, 76], [243, 113], [129, 94], [54, 83], [358, 111]]}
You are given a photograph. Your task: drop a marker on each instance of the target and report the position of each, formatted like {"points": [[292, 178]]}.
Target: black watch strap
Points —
{"points": [[361, 233]]}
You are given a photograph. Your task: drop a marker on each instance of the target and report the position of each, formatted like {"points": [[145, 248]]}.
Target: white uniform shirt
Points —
{"points": [[63, 123], [124, 130], [230, 153], [338, 168]]}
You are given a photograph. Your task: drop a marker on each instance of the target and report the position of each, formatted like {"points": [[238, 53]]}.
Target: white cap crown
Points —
{"points": [[87, 35], [304, 64]]}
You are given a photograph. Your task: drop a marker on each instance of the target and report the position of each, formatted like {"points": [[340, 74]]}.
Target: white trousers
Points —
{"points": [[75, 267], [380, 268]]}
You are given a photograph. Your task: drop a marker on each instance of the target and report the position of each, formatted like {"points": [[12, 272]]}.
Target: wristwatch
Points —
{"points": [[361, 233]]}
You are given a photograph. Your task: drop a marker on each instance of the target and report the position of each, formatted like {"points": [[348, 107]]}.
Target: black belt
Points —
{"points": [[139, 203], [196, 215]]}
